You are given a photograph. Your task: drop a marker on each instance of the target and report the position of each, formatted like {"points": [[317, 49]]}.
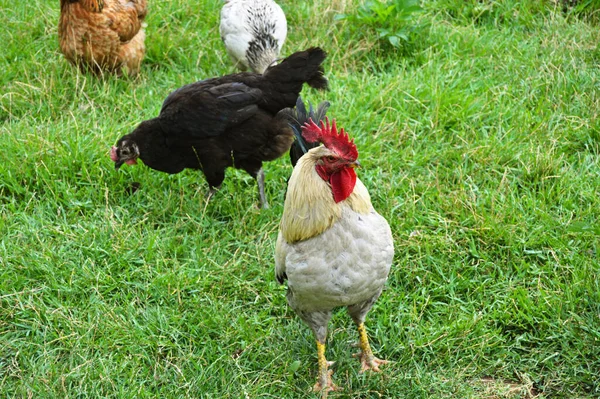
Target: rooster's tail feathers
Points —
{"points": [[296, 118]]}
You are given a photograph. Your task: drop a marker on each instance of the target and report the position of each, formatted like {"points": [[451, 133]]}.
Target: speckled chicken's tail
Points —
{"points": [[296, 118]]}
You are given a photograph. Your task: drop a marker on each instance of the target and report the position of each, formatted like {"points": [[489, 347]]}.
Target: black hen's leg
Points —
{"points": [[260, 180], [255, 170], [214, 178]]}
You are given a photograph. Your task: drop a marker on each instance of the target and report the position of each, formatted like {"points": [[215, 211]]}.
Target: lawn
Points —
{"points": [[478, 130]]}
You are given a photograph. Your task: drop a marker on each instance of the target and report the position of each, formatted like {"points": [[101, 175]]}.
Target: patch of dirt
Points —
{"points": [[504, 389]]}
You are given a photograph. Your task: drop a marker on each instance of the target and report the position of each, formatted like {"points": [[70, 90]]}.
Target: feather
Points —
{"points": [[309, 207], [296, 118]]}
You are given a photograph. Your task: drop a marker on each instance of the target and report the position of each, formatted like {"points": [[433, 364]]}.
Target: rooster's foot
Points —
{"points": [[325, 384], [369, 362]]}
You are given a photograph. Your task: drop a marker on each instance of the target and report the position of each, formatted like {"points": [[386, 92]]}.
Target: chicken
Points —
{"points": [[333, 248], [227, 121], [103, 35], [253, 32]]}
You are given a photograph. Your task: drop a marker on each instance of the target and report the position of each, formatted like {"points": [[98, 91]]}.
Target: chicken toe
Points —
{"points": [[369, 362], [325, 386]]}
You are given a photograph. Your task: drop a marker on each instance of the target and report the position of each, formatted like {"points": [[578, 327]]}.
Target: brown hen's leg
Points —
{"points": [[324, 383], [368, 361]]}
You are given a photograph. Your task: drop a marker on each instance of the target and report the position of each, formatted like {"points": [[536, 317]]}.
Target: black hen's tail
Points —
{"points": [[296, 118], [299, 68]]}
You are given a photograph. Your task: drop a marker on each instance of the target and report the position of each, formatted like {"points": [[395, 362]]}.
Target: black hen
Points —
{"points": [[227, 121], [297, 117]]}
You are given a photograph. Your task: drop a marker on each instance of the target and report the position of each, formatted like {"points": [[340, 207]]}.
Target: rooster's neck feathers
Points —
{"points": [[309, 205]]}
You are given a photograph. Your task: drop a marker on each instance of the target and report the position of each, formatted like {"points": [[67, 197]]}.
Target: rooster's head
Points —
{"points": [[337, 158]]}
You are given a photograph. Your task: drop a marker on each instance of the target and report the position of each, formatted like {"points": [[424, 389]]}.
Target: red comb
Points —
{"points": [[329, 137]]}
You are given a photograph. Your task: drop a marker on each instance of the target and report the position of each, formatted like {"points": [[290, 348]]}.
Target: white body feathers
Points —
{"points": [[253, 32], [347, 264]]}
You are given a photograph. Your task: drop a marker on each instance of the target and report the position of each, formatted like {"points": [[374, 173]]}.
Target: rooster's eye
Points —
{"points": [[331, 158]]}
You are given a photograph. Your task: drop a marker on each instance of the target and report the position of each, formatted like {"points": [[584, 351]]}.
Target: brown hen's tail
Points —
{"points": [[301, 67]]}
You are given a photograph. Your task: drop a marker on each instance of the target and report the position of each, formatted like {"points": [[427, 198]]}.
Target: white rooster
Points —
{"points": [[253, 32], [333, 248]]}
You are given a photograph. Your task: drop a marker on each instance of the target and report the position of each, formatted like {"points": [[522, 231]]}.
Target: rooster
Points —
{"points": [[333, 248], [227, 121], [103, 35], [253, 32]]}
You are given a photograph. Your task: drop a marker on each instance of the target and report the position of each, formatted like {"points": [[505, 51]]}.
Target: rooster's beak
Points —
{"points": [[355, 164]]}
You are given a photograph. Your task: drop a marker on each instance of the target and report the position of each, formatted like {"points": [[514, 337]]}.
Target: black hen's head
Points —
{"points": [[126, 151]]}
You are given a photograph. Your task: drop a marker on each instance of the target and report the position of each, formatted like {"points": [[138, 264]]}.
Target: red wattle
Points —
{"points": [[342, 183], [113, 154]]}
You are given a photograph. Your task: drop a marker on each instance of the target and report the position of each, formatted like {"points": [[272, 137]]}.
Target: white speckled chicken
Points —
{"points": [[333, 248], [253, 32]]}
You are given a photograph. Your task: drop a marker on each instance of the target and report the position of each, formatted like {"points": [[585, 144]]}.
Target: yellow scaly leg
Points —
{"points": [[367, 360], [324, 382]]}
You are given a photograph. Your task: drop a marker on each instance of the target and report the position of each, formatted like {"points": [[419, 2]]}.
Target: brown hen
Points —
{"points": [[103, 35]]}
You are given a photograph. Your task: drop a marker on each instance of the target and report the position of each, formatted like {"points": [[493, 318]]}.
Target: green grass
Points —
{"points": [[480, 142]]}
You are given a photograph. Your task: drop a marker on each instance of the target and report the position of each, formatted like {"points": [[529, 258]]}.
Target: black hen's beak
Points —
{"points": [[118, 164]]}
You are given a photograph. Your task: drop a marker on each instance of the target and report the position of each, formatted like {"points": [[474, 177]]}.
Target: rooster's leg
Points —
{"points": [[367, 359], [324, 383], [260, 179]]}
